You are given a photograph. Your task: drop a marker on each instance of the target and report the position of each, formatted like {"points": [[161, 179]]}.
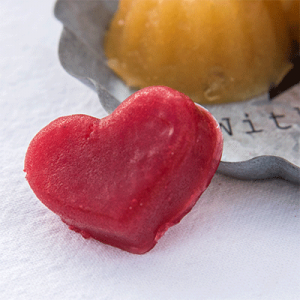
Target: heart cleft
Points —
{"points": [[126, 178]]}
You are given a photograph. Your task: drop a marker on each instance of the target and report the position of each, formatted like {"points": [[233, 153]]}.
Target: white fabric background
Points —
{"points": [[241, 240]]}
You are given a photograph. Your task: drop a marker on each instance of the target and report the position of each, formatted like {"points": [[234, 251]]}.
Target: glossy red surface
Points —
{"points": [[126, 178]]}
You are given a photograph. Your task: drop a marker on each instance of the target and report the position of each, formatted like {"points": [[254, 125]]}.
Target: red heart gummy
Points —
{"points": [[126, 178]]}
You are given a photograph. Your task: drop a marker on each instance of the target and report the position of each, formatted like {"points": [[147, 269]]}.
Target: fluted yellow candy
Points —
{"points": [[212, 50]]}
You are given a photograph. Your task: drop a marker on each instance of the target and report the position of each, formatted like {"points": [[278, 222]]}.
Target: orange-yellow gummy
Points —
{"points": [[212, 50], [292, 10]]}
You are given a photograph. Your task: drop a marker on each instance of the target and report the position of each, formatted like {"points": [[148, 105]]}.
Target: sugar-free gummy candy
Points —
{"points": [[126, 178], [213, 51]]}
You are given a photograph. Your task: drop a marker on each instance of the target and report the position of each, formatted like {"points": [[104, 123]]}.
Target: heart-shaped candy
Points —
{"points": [[126, 178]]}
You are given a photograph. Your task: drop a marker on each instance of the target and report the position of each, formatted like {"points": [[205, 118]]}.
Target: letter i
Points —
{"points": [[253, 130]]}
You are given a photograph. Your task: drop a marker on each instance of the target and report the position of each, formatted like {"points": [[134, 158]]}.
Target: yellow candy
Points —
{"points": [[292, 9], [212, 50]]}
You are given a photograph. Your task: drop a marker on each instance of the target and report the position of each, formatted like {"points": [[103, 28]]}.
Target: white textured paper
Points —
{"points": [[261, 127], [241, 240]]}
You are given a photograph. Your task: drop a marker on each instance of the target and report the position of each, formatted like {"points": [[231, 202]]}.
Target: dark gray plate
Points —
{"points": [[261, 137]]}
